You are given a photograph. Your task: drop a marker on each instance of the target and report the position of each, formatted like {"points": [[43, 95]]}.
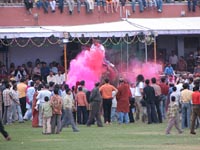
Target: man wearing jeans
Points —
{"points": [[164, 92], [195, 108], [7, 115], [186, 97], [192, 3], [123, 96], [159, 5]]}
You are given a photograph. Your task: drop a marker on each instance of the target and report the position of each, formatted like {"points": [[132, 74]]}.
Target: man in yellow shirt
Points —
{"points": [[186, 97], [21, 88]]}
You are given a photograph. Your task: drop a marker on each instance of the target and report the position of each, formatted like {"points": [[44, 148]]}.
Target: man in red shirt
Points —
{"points": [[195, 108], [164, 92]]}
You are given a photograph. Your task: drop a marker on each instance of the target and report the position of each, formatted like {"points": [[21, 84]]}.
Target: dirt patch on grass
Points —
{"points": [[147, 133], [47, 140], [165, 146]]}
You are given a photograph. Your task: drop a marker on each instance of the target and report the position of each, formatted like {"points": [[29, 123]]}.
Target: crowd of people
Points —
{"points": [[39, 93], [107, 5], [53, 105]]}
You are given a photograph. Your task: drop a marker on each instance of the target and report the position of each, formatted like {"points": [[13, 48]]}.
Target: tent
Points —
{"points": [[130, 26]]}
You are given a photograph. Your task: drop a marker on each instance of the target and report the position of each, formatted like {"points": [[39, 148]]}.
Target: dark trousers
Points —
{"points": [[23, 105], [192, 4], [157, 103], [107, 104], [68, 119], [55, 123], [82, 115], [95, 114], [3, 132], [130, 114], [195, 114], [151, 113]]}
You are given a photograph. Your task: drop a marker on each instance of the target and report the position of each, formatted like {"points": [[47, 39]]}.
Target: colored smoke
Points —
{"points": [[136, 67], [86, 66]]}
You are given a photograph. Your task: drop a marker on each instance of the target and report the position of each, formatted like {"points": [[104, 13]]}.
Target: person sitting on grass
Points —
{"points": [[172, 115]]}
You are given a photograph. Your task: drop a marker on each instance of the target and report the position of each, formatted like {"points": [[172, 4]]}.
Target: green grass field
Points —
{"points": [[137, 136]]}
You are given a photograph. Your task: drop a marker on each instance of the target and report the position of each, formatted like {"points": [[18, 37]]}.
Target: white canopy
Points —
{"points": [[187, 25], [184, 25]]}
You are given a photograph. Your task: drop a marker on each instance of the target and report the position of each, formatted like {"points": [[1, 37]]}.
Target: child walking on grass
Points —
{"points": [[47, 114], [172, 115]]}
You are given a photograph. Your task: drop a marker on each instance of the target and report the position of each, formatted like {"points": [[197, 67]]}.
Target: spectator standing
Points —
{"points": [[16, 109], [46, 114], [172, 115], [181, 64], [44, 71], [1, 104], [106, 92], [7, 115], [132, 103], [68, 106], [186, 97], [157, 90], [173, 60], [164, 93], [149, 98], [40, 100], [195, 108], [21, 88], [95, 103], [123, 96], [82, 105], [114, 115], [29, 96], [57, 104], [139, 94]]}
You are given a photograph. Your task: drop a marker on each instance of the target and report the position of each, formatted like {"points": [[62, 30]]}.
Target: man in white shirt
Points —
{"points": [[40, 100], [173, 60], [59, 78], [51, 77]]}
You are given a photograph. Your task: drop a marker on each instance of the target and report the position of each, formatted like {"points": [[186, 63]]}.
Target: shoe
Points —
{"points": [[8, 138], [159, 10], [167, 133], [180, 132], [192, 132], [76, 130], [88, 125]]}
